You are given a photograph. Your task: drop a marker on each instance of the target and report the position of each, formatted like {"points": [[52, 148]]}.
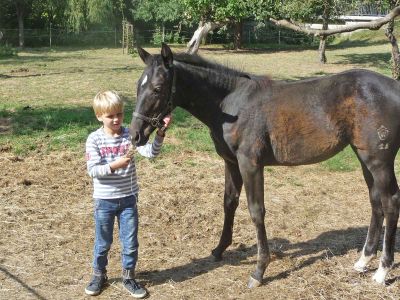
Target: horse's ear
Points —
{"points": [[144, 55], [166, 55]]}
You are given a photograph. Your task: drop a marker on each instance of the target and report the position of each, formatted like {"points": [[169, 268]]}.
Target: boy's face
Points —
{"points": [[112, 121]]}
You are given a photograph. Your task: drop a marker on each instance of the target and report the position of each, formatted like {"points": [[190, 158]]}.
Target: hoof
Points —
{"points": [[217, 257], [380, 275], [253, 283], [360, 267], [378, 280]]}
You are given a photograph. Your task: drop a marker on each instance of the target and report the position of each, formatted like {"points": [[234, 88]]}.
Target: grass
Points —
{"points": [[186, 128], [47, 128], [344, 161], [46, 94], [7, 51]]}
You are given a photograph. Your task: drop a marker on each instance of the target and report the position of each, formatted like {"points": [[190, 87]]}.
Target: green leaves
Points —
{"points": [[158, 10], [312, 10], [226, 10], [101, 11]]}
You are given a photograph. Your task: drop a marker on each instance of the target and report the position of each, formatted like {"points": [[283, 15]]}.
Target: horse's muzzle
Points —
{"points": [[137, 139]]}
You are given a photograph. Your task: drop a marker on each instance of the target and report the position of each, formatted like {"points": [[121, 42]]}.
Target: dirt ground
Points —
{"points": [[316, 224]]}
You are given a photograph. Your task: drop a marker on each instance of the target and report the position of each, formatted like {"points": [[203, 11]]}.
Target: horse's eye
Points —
{"points": [[157, 90]]}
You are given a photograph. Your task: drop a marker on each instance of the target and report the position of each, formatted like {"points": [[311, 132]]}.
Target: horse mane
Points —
{"points": [[198, 61], [222, 75]]}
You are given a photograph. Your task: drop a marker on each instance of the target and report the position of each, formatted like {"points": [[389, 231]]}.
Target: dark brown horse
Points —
{"points": [[256, 122]]}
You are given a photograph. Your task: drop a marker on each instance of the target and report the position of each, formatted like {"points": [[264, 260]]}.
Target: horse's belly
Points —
{"points": [[305, 145]]}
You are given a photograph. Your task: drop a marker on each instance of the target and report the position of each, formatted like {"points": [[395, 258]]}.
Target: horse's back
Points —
{"points": [[308, 121]]}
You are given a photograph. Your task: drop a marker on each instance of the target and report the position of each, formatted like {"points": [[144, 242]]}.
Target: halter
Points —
{"points": [[157, 121]]}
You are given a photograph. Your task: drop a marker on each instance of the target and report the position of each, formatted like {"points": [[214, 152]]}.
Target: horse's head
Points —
{"points": [[155, 91]]}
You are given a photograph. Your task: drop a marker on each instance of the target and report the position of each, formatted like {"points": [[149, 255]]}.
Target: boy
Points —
{"points": [[115, 191]]}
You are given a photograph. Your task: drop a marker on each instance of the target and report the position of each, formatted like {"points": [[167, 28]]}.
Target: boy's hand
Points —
{"points": [[131, 151], [121, 162], [167, 120]]}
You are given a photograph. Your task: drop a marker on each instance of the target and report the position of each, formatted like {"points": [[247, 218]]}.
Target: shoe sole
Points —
{"points": [[141, 296], [91, 293]]}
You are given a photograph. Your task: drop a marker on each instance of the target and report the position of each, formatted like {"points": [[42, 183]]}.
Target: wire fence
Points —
{"points": [[62, 37], [252, 33]]}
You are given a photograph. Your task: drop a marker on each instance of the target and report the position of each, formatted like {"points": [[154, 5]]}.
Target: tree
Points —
{"points": [[312, 11], [50, 11], [203, 12], [159, 12], [123, 10], [77, 15], [215, 14], [77, 12], [84, 13], [101, 11], [234, 12], [372, 25], [389, 32], [108, 12], [22, 8]]}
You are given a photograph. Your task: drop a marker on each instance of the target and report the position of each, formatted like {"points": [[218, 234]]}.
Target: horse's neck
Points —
{"points": [[199, 95]]}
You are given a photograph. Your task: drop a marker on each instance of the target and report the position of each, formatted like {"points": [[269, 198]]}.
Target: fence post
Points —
{"points": [[50, 35], [279, 37], [123, 36]]}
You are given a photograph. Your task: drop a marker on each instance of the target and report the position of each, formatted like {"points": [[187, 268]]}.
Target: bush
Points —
{"points": [[169, 37], [7, 51], [157, 36]]}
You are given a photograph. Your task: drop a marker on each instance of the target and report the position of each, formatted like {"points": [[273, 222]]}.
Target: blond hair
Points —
{"points": [[107, 102]]}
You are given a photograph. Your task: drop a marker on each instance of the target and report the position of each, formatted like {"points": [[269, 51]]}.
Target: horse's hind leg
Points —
{"points": [[385, 197], [233, 186], [375, 228], [390, 198]]}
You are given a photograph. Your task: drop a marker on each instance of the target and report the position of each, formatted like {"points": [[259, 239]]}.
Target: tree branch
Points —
{"points": [[372, 25], [201, 32]]}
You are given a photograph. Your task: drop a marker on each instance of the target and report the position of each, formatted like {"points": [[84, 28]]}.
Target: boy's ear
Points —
{"points": [[144, 55], [166, 55]]}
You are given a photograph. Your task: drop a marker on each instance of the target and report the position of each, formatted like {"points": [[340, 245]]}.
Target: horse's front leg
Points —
{"points": [[253, 179], [233, 186]]}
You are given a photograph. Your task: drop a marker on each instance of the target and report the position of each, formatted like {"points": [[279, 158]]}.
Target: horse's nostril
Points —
{"points": [[137, 137]]}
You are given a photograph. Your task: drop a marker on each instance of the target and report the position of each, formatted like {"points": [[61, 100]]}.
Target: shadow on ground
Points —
{"points": [[26, 287], [379, 60], [325, 245]]}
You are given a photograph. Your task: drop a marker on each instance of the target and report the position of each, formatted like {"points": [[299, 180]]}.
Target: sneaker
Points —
{"points": [[134, 288], [96, 284]]}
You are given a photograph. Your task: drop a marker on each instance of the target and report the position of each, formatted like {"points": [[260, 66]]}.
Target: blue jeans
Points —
{"points": [[106, 210]]}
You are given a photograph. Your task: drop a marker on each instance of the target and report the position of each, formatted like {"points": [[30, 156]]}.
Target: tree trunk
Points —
{"points": [[322, 41], [395, 50], [321, 49], [200, 34], [237, 42], [20, 15]]}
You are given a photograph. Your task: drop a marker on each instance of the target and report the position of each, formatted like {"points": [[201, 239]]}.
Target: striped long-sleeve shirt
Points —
{"points": [[101, 150]]}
